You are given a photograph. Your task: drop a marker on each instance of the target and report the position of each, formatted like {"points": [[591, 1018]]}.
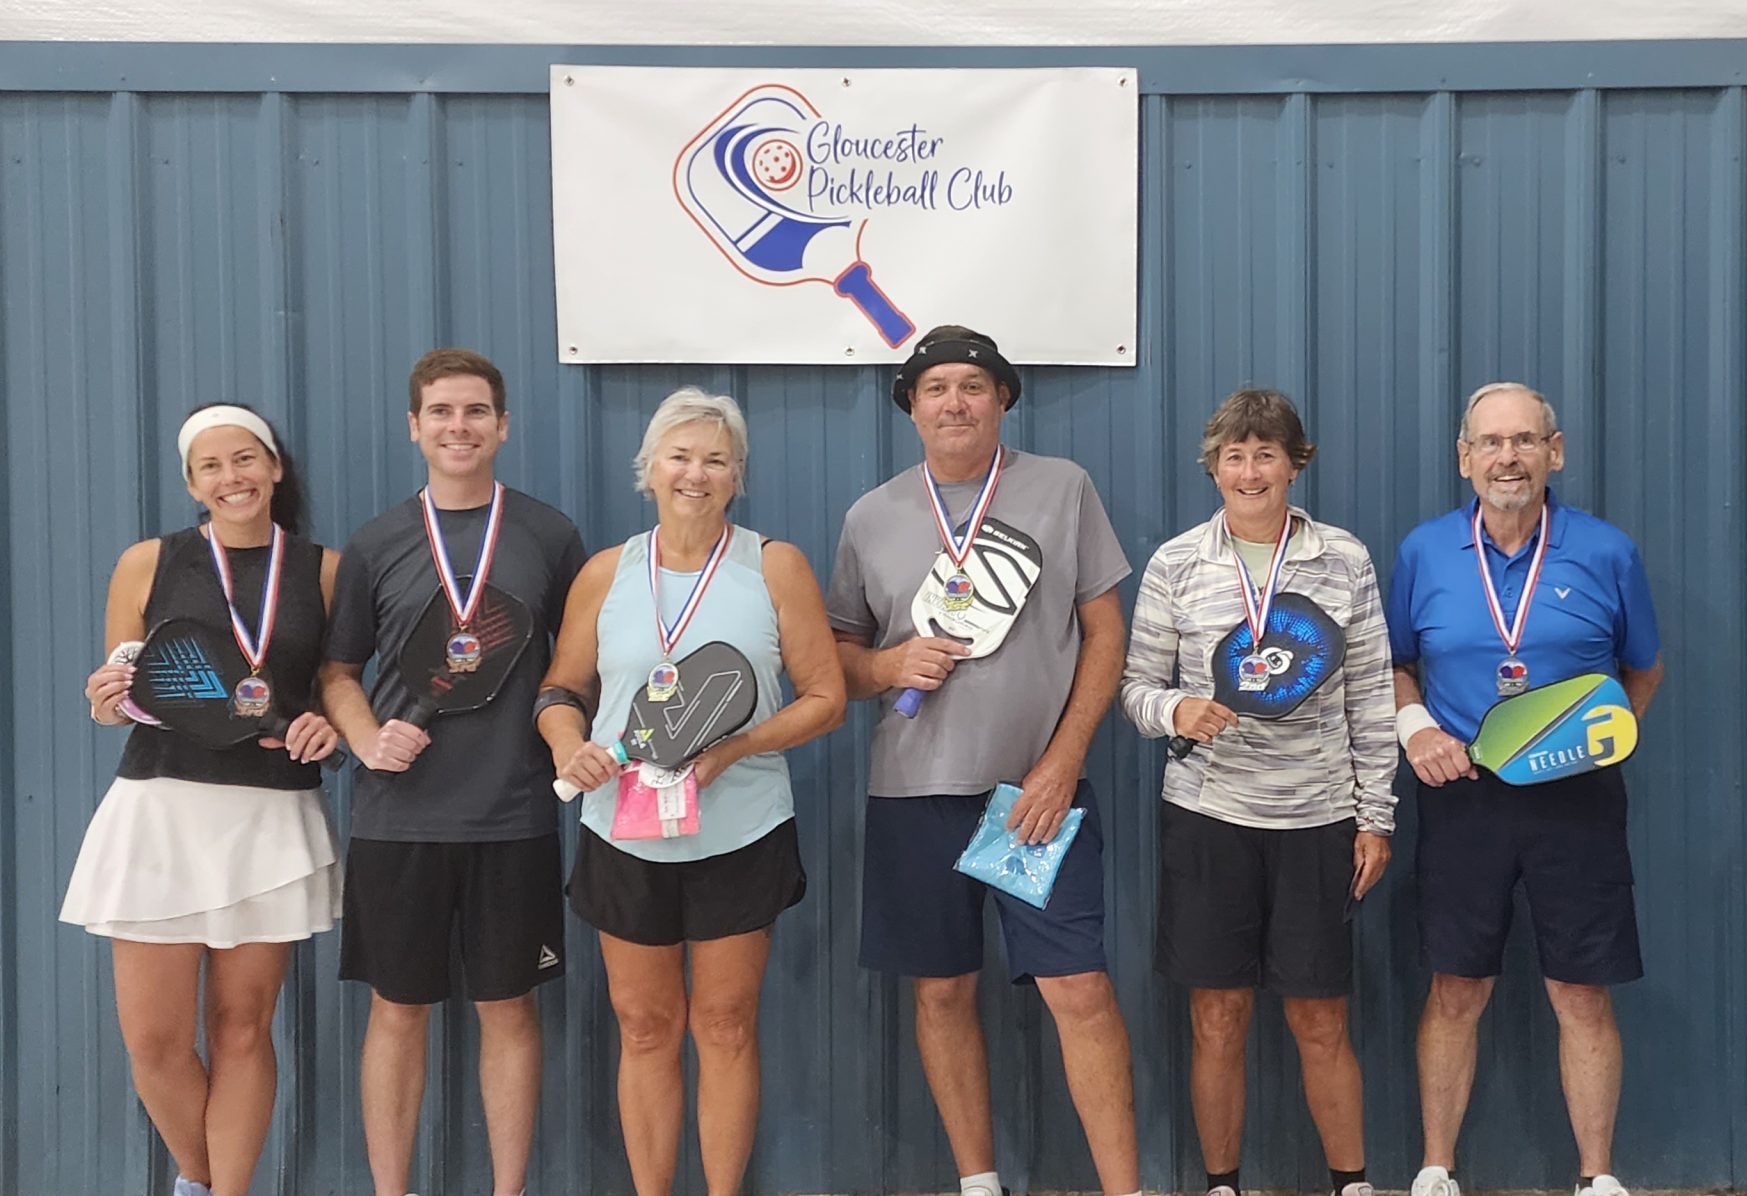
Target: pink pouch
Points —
{"points": [[654, 803]]}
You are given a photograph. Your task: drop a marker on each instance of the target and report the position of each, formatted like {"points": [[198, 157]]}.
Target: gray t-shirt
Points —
{"points": [[486, 776], [993, 718]]}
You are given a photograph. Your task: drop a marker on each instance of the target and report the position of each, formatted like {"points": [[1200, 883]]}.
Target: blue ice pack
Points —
{"points": [[996, 857]]}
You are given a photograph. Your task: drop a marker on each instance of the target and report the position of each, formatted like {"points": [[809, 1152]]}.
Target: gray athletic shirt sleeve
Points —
{"points": [[486, 775], [993, 718]]}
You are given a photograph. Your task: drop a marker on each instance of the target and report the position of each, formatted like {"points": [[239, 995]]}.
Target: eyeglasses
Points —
{"points": [[1525, 443]]}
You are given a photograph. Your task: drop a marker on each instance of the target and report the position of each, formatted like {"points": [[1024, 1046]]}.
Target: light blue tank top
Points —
{"points": [[752, 797]]}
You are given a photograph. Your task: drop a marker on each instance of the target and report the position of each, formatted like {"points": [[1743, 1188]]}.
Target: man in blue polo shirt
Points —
{"points": [[1561, 593]]}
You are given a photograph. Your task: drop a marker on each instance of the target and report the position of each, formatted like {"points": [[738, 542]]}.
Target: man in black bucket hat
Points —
{"points": [[1024, 541]]}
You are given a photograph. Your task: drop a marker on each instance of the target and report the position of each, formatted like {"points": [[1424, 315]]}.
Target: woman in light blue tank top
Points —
{"points": [[712, 895]]}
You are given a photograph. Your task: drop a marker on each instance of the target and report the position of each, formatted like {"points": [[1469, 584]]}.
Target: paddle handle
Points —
{"points": [[1181, 746], [275, 726], [422, 714], [909, 702], [568, 792]]}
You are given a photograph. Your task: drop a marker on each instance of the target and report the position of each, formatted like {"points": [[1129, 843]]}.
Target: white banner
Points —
{"points": [[831, 217]]}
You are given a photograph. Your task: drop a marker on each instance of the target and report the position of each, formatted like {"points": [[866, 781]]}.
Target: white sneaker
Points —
{"points": [[1357, 1188], [1435, 1181], [187, 1187], [1222, 1190], [1604, 1185]]}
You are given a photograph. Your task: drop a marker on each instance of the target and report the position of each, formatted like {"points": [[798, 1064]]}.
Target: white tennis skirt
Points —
{"points": [[170, 861]]}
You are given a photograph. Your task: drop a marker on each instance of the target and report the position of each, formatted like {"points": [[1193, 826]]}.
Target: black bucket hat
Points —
{"points": [[951, 344]]}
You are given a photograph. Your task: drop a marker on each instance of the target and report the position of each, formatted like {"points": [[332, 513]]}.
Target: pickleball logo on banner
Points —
{"points": [[1559, 730], [740, 180]]}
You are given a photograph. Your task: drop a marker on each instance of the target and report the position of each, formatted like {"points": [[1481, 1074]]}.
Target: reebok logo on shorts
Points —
{"points": [[548, 957]]}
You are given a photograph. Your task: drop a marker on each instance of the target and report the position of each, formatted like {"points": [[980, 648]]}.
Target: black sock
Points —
{"points": [[1585, 1181], [1223, 1179], [1341, 1179]]}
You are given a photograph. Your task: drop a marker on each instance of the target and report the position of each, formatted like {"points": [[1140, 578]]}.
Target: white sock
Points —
{"points": [[988, 1183]]}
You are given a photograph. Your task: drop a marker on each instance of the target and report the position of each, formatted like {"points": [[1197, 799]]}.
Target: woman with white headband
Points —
{"points": [[221, 858]]}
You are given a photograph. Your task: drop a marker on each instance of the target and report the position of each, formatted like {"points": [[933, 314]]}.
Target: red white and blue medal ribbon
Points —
{"points": [[1258, 603], [668, 634], [254, 647], [1513, 674], [463, 605], [958, 590]]}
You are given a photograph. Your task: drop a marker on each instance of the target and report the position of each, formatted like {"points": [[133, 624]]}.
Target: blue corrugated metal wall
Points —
{"points": [[1369, 229]]}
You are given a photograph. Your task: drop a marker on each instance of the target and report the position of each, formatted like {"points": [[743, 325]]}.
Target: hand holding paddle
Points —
{"points": [[396, 745], [923, 663], [106, 688], [1301, 647], [588, 768], [1200, 719], [974, 603], [714, 694], [1439, 757], [194, 680]]}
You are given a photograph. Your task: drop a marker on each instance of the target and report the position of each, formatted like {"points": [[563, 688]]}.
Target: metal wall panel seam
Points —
{"points": [[1438, 405], [11, 1074], [1151, 453], [1729, 365], [28, 456], [128, 302], [1295, 172], [1580, 383]]}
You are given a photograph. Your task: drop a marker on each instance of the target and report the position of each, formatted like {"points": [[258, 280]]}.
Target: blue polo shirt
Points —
{"points": [[1591, 611]]}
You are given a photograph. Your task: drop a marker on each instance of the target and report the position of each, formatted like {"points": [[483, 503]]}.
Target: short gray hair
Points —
{"points": [[689, 405], [1549, 417]]}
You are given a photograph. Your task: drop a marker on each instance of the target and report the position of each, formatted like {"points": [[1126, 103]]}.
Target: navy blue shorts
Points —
{"points": [[1565, 841], [921, 918]]}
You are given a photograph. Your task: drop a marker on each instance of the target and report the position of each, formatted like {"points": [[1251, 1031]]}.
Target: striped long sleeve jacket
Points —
{"points": [[1332, 758]]}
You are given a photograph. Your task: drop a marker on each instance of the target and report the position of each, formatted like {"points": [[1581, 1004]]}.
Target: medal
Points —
{"points": [[253, 696], [463, 651], [1512, 675], [958, 592], [1253, 674], [664, 677], [1255, 670], [663, 682]]}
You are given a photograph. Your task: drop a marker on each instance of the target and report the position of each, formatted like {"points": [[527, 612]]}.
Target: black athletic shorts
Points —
{"points": [[1564, 840], [407, 903], [661, 905], [1245, 906]]}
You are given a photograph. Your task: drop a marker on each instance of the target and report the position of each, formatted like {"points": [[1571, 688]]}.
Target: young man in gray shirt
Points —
{"points": [[1025, 713]]}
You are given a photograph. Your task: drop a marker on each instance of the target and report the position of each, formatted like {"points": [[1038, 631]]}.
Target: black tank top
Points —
{"points": [[187, 584]]}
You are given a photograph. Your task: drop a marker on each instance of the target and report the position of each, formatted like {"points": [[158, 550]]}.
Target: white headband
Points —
{"points": [[222, 416]]}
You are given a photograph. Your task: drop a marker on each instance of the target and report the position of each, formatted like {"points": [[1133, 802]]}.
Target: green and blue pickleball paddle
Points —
{"points": [[1555, 731]]}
